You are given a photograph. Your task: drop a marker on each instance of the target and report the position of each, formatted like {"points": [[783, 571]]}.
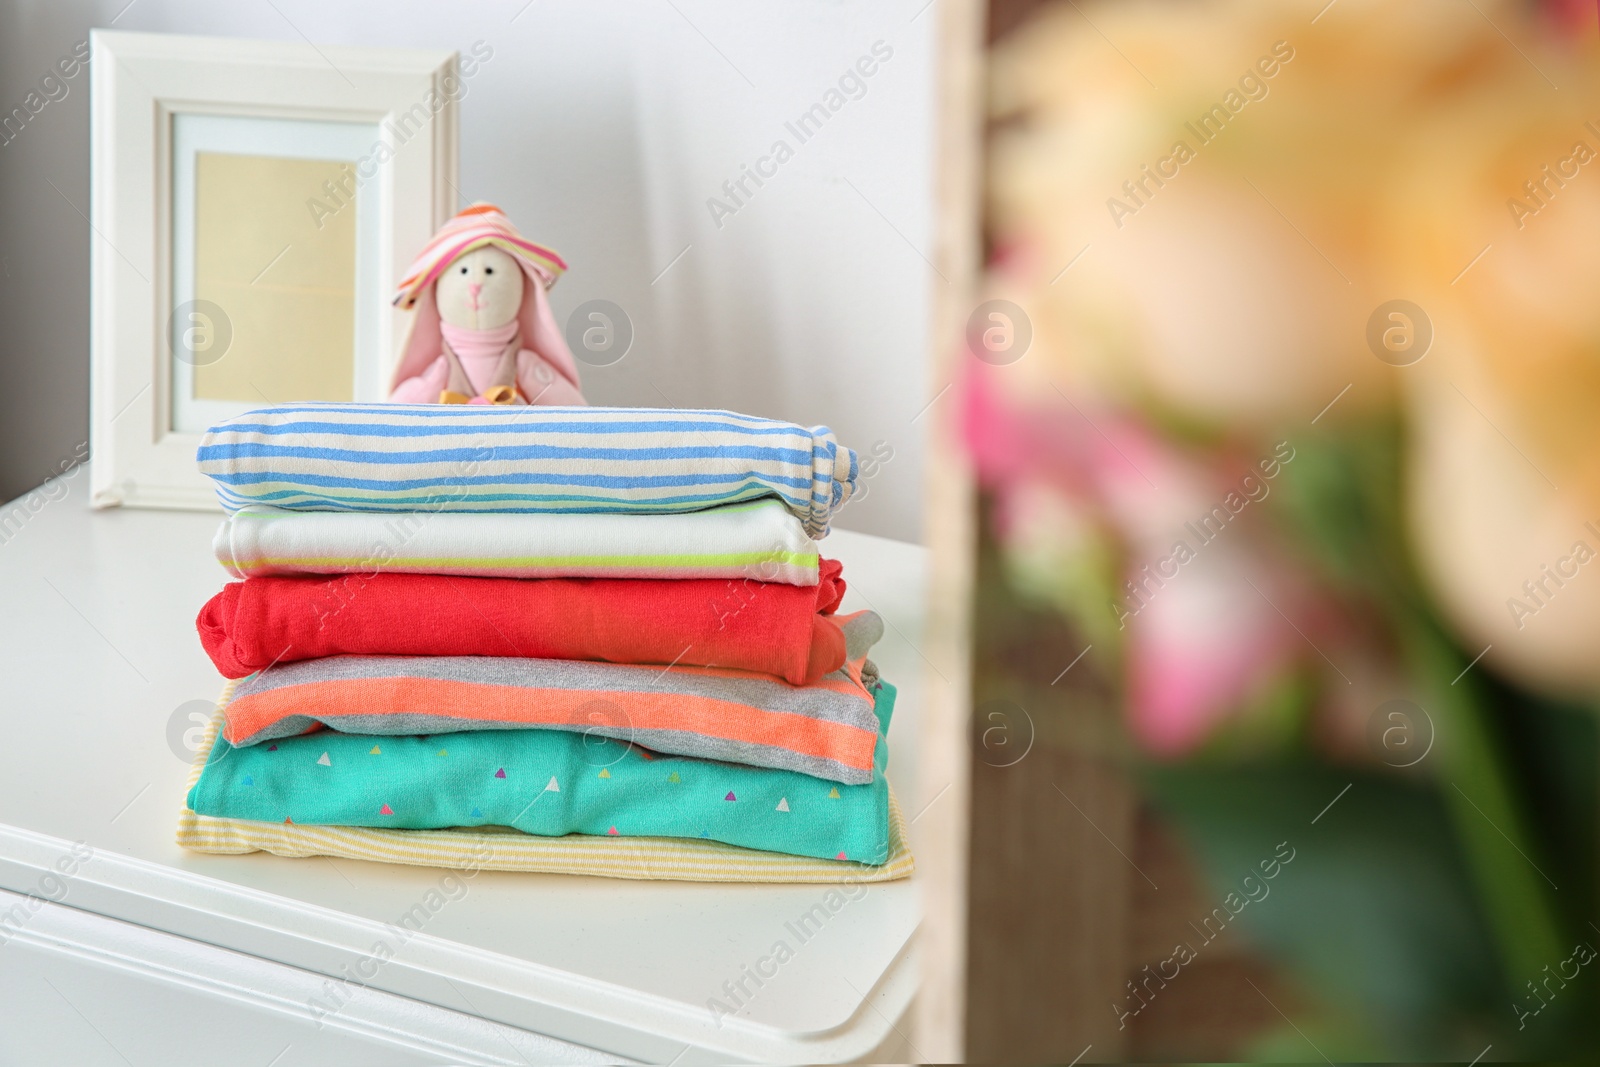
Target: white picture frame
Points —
{"points": [[154, 98]]}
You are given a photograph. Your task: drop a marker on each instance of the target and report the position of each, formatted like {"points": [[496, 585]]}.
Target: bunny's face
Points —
{"points": [[481, 290]]}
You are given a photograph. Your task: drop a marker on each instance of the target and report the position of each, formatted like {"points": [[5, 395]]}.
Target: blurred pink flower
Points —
{"points": [[1201, 636], [1201, 649]]}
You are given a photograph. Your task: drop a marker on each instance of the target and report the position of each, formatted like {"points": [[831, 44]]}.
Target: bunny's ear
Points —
{"points": [[538, 324], [424, 341]]}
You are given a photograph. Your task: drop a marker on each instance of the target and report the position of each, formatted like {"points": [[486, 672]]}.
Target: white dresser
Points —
{"points": [[118, 947]]}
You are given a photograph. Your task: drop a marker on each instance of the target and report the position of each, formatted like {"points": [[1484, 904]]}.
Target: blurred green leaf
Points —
{"points": [[1375, 910], [1478, 789], [1340, 503]]}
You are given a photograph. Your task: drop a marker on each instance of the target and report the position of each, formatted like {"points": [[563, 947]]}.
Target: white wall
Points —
{"points": [[602, 128]]}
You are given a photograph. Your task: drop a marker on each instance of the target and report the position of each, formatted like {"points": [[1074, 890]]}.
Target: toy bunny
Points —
{"points": [[483, 331]]}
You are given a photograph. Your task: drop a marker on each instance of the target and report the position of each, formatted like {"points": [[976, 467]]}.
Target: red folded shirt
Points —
{"points": [[775, 628]]}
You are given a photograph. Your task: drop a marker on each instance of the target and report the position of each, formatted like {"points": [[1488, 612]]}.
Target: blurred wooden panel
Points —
{"points": [[1052, 867], [1165, 916], [1050, 910], [1219, 1004]]}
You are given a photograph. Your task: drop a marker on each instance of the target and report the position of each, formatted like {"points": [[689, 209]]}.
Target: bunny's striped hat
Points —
{"points": [[479, 225]]}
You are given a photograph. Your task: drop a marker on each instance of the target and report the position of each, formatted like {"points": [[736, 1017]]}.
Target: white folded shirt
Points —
{"points": [[762, 540]]}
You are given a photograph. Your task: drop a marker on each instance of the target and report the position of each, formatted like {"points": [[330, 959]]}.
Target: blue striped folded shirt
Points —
{"points": [[475, 457]]}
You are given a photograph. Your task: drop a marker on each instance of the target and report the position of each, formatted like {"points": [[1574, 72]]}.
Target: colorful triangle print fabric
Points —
{"points": [[507, 778]]}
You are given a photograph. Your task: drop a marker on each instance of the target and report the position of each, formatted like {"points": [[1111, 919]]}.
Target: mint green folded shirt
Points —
{"points": [[548, 782]]}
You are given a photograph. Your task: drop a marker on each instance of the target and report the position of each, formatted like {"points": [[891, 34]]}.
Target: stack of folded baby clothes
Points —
{"points": [[596, 640]]}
